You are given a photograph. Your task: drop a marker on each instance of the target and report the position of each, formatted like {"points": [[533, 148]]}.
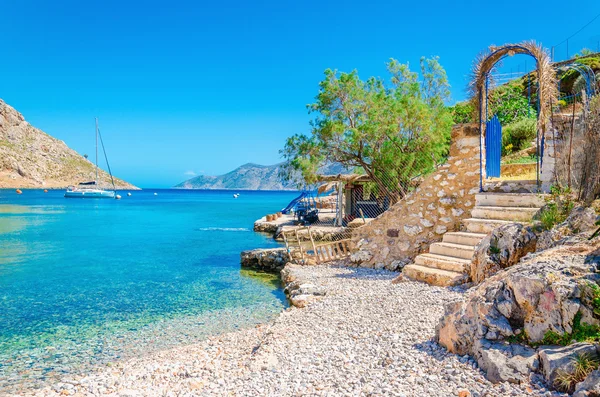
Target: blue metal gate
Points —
{"points": [[493, 147]]}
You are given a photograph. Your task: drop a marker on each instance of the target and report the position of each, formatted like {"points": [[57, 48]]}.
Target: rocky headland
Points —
{"points": [[30, 158]]}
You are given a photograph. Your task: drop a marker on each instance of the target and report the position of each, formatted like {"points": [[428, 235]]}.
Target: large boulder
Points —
{"points": [[541, 295], [503, 248], [504, 362]]}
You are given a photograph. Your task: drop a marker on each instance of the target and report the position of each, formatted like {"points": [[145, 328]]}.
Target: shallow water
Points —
{"points": [[86, 282]]}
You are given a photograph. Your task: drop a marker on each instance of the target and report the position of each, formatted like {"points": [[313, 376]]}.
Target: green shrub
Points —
{"points": [[558, 206], [509, 104], [518, 135], [463, 112], [528, 159]]}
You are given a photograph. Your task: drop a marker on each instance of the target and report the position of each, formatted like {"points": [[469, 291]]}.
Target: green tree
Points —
{"points": [[392, 131], [509, 103]]}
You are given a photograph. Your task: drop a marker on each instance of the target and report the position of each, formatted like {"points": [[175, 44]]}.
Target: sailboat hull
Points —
{"points": [[90, 194]]}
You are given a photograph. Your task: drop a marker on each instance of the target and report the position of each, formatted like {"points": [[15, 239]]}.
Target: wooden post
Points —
{"points": [[312, 241], [362, 215], [299, 245]]}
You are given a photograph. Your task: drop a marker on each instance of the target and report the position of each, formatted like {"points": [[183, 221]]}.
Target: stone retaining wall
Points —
{"points": [[438, 205]]}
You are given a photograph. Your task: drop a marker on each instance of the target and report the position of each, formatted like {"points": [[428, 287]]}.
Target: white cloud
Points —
{"points": [[190, 173]]}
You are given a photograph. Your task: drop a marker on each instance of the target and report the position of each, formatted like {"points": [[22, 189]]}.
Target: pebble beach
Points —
{"points": [[367, 336]]}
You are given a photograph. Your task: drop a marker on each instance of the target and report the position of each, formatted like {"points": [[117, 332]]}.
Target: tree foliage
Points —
{"points": [[509, 103], [391, 130], [463, 112]]}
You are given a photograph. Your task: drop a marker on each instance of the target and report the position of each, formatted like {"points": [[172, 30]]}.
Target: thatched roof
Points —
{"points": [[488, 60]]}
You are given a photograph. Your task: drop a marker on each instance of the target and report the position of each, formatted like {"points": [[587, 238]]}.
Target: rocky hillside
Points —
{"points": [[30, 158], [250, 177]]}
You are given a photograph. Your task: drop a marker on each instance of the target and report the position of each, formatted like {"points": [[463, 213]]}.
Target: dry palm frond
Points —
{"points": [[487, 61]]}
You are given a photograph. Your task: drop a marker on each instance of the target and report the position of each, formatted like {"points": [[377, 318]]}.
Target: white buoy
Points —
{"points": [[128, 193], [118, 197], [156, 194]]}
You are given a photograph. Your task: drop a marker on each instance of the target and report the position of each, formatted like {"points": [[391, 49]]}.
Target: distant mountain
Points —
{"points": [[30, 158], [250, 177]]}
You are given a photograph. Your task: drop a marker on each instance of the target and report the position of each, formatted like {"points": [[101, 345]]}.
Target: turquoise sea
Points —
{"points": [[84, 283]]}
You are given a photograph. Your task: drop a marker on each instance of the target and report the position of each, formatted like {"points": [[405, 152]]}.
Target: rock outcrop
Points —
{"points": [[550, 296], [503, 248], [579, 220], [265, 259], [30, 158]]}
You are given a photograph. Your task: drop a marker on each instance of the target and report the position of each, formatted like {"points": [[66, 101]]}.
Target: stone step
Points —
{"points": [[475, 225], [453, 250], [442, 278], [443, 262], [516, 214], [509, 200], [464, 238], [510, 186]]}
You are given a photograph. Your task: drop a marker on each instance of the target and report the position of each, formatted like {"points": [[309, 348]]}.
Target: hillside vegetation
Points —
{"points": [[30, 158]]}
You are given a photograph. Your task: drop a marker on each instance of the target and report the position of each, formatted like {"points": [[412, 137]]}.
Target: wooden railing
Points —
{"points": [[301, 247], [332, 251]]}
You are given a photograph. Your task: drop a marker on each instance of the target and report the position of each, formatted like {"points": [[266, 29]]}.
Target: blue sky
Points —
{"points": [[185, 88]]}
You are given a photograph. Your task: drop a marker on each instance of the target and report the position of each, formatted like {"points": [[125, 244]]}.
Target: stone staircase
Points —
{"points": [[448, 261]]}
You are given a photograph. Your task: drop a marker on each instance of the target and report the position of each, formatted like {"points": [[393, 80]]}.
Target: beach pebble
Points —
{"points": [[366, 336]]}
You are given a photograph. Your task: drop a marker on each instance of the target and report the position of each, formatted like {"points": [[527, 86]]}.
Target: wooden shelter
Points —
{"points": [[354, 200]]}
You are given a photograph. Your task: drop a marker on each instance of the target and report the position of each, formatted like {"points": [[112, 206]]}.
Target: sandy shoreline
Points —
{"points": [[366, 336]]}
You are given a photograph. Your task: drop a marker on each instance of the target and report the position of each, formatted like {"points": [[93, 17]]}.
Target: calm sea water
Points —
{"points": [[86, 282]]}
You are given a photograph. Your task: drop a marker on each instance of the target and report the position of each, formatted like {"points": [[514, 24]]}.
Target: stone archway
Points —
{"points": [[546, 93]]}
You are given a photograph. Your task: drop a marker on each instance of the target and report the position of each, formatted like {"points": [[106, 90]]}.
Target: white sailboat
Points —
{"points": [[92, 189]]}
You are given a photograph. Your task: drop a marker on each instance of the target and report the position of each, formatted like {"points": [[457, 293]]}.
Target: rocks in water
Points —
{"points": [[270, 259], [560, 359], [505, 363]]}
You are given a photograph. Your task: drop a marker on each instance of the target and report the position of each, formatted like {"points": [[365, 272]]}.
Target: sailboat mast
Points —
{"points": [[96, 150]]}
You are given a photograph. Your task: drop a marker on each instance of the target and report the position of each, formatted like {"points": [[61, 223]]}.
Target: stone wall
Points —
{"points": [[438, 205], [558, 159]]}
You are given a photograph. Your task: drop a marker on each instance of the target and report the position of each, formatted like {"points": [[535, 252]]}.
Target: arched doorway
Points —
{"points": [[480, 90]]}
